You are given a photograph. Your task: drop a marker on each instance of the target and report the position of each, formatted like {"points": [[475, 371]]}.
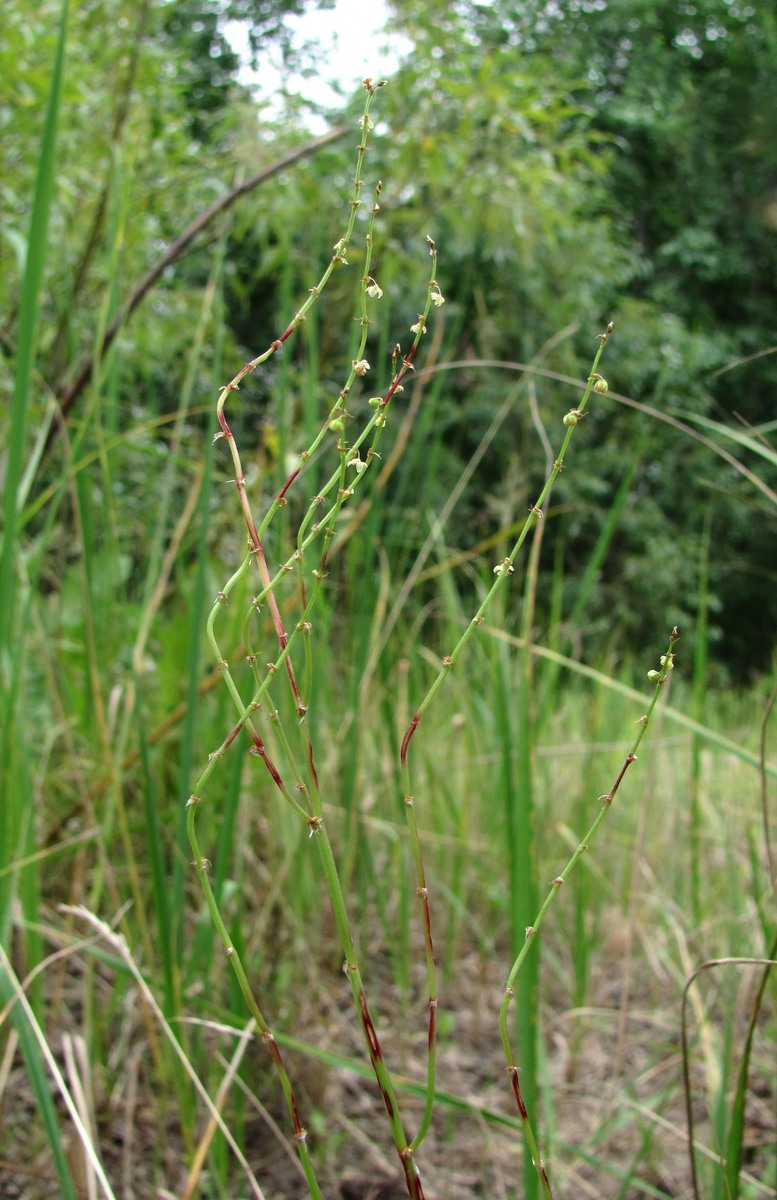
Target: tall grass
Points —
{"points": [[428, 761], [17, 827]]}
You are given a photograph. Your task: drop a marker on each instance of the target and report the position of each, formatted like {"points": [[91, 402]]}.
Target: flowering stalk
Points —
{"points": [[658, 678], [340, 251], [317, 525], [502, 571]]}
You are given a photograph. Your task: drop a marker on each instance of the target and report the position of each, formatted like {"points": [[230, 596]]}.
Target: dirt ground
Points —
{"points": [[614, 1116]]}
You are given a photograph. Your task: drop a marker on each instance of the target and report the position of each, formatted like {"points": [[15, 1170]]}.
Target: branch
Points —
{"points": [[174, 251]]}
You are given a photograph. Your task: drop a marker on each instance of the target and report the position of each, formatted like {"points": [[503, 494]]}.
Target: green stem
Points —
{"points": [[312, 811], [667, 663], [201, 865], [502, 571]]}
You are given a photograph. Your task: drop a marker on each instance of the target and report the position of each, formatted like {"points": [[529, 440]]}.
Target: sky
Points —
{"points": [[350, 44]]}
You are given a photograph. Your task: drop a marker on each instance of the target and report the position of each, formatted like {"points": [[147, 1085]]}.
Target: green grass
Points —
{"points": [[22, 884], [271, 893]]}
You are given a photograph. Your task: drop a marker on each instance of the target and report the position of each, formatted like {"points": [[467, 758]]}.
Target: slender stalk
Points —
{"points": [[257, 554], [308, 807], [771, 863], [312, 813], [338, 258], [506, 567], [524, 883], [503, 570], [201, 865], [659, 679], [699, 701], [712, 964]]}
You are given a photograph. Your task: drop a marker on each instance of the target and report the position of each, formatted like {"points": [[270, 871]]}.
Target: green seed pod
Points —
{"points": [[571, 419], [337, 425], [654, 676], [600, 385]]}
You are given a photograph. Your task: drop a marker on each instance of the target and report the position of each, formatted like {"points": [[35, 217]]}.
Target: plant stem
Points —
{"points": [[502, 571], [313, 526], [659, 677]]}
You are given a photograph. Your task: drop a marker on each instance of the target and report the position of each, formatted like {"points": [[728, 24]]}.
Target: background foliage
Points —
{"points": [[578, 162]]}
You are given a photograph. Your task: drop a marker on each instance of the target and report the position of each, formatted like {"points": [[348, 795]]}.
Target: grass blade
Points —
{"points": [[11, 638], [24, 1021]]}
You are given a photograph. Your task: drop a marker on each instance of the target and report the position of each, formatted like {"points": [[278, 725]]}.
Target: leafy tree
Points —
{"points": [[197, 32], [153, 122], [687, 94], [676, 104]]}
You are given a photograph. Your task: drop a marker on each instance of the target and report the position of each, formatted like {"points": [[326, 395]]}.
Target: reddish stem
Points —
{"points": [[260, 751], [288, 483], [406, 739]]}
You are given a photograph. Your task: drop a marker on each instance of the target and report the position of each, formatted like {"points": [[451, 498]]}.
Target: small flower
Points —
{"points": [[437, 298], [374, 291], [360, 366], [419, 326]]}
